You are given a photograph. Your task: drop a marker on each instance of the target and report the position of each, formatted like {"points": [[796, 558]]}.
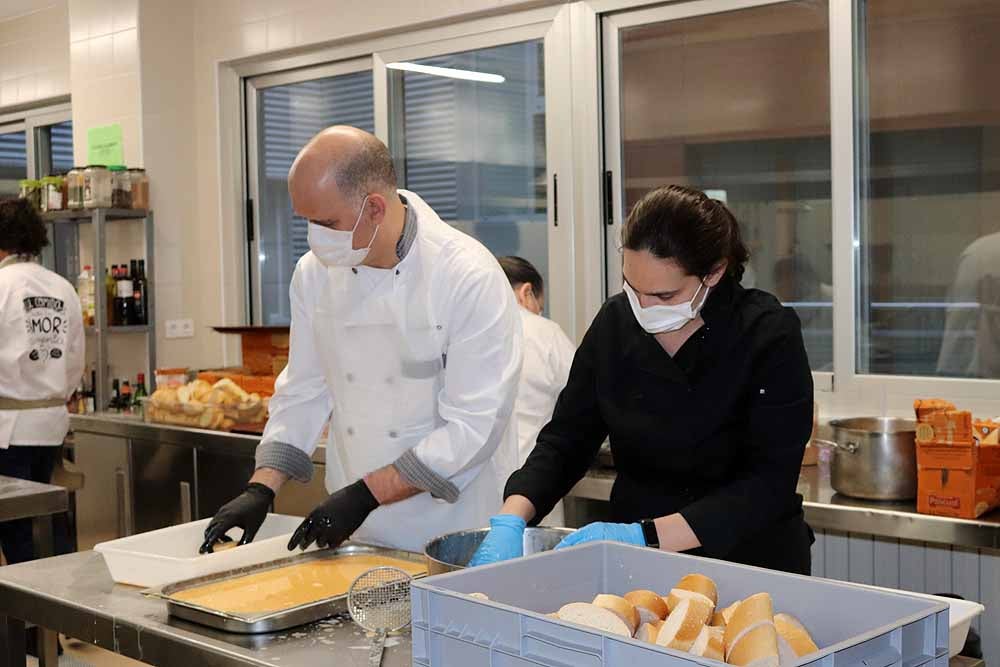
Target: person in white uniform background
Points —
{"points": [[41, 361], [405, 335], [548, 355]]}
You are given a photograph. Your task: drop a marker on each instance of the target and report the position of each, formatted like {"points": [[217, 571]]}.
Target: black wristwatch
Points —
{"points": [[649, 533]]}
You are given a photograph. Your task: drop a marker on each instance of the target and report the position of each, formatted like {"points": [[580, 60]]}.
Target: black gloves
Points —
{"points": [[336, 518], [246, 511]]}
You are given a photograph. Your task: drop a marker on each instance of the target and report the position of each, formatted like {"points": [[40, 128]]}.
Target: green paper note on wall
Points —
{"points": [[104, 145]]}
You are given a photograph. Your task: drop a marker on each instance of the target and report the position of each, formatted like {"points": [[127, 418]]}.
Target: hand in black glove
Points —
{"points": [[336, 518], [246, 511]]}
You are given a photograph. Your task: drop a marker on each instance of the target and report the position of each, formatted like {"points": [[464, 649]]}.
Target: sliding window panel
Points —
{"points": [[286, 113], [13, 159], [735, 103], [472, 130], [929, 182]]}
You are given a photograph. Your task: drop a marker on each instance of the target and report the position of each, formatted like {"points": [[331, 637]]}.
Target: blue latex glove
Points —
{"points": [[504, 541], [629, 533]]}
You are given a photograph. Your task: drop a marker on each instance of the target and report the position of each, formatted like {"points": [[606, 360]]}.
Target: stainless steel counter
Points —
{"points": [[74, 595], [826, 509]]}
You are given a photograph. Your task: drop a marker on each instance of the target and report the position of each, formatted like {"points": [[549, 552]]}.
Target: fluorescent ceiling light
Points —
{"points": [[468, 75]]}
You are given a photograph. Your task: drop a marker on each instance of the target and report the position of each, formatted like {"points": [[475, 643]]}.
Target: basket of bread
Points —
{"points": [[198, 404], [745, 633]]}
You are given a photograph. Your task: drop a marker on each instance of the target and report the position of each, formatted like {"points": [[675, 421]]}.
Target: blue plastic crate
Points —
{"points": [[856, 627]]}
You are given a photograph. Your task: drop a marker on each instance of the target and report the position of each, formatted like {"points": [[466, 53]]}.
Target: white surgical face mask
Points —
{"points": [[336, 248], [661, 319]]}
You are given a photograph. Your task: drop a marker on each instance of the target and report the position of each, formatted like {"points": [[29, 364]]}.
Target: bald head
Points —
{"points": [[342, 162]]}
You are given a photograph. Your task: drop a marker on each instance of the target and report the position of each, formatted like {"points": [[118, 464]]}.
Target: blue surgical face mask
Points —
{"points": [[336, 248], [661, 319]]}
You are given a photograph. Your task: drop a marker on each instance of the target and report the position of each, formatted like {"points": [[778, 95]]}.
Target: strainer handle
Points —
{"points": [[376, 650]]}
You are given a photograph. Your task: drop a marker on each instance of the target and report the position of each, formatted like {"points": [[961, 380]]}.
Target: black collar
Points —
{"points": [[647, 353]]}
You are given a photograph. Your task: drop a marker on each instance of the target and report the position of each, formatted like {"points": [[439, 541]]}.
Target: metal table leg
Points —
{"points": [[12, 649], [43, 536], [48, 648], [48, 640]]}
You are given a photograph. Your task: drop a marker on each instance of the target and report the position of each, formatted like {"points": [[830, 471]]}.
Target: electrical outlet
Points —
{"points": [[180, 329]]}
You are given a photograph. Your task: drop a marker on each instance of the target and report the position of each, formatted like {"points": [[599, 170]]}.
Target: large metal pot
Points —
{"points": [[873, 458], [453, 551]]}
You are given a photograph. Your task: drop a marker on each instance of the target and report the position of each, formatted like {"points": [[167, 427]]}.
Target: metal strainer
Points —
{"points": [[379, 602]]}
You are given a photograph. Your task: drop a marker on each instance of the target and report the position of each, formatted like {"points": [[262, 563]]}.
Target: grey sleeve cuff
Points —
{"points": [[285, 458], [419, 475]]}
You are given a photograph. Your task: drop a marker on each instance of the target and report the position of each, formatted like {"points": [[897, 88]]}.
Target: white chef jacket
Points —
{"points": [[41, 350], [422, 359], [548, 355], [970, 345]]}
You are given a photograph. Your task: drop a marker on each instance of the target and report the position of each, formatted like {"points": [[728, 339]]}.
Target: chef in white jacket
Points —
{"points": [[548, 355], [41, 360], [405, 336]]}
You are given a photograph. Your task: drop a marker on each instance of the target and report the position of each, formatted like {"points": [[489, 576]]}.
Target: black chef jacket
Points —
{"points": [[716, 432]]}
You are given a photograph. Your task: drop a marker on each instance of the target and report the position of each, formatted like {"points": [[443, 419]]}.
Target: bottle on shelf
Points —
{"points": [[111, 293], [116, 396], [85, 288], [125, 303], [138, 405], [139, 286], [126, 396], [92, 394]]}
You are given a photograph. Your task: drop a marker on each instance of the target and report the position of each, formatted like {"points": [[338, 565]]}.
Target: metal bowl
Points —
{"points": [[453, 551]]}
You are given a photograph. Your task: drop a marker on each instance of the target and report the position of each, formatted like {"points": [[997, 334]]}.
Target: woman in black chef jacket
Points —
{"points": [[703, 388]]}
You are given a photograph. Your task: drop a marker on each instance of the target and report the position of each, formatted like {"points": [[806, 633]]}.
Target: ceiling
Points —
{"points": [[13, 8]]}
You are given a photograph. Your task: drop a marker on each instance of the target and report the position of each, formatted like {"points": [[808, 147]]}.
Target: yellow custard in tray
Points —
{"points": [[289, 586]]}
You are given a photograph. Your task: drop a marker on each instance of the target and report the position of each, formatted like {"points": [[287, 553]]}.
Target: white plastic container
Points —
{"points": [[171, 554], [960, 616]]}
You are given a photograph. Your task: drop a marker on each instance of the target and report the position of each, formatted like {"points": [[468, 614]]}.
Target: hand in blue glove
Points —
{"points": [[629, 533], [504, 541]]}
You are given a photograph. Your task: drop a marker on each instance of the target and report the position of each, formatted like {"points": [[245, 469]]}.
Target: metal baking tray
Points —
{"points": [[272, 621]]}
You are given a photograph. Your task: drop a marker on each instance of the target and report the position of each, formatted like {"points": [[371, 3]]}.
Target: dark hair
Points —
{"points": [[520, 271], [369, 168], [687, 226], [22, 231]]}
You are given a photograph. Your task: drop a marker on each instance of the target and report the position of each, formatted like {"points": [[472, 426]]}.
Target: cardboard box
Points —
{"points": [[950, 426], [959, 480]]}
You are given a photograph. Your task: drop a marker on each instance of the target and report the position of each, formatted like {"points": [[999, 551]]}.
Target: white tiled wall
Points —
{"points": [[34, 55], [104, 72]]}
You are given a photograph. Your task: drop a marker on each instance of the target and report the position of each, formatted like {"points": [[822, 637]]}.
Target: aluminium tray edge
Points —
{"points": [[275, 621]]}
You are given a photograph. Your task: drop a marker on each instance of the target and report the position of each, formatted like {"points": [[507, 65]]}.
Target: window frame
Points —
{"points": [[252, 88], [551, 23], [611, 26]]}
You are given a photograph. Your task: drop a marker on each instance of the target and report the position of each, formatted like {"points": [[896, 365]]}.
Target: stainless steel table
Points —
{"points": [[828, 510], [74, 595], [23, 499]]}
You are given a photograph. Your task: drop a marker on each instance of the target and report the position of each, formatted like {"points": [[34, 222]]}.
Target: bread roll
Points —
{"points": [[693, 585], [684, 623], [648, 632], [622, 608], [727, 613], [592, 616], [756, 648], [795, 634], [709, 644], [755, 610], [718, 620], [650, 606]]}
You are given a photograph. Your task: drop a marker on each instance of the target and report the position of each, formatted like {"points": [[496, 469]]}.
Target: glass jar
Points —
{"points": [[32, 191], [121, 187], [52, 194], [96, 186], [64, 191], [140, 188], [74, 188]]}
